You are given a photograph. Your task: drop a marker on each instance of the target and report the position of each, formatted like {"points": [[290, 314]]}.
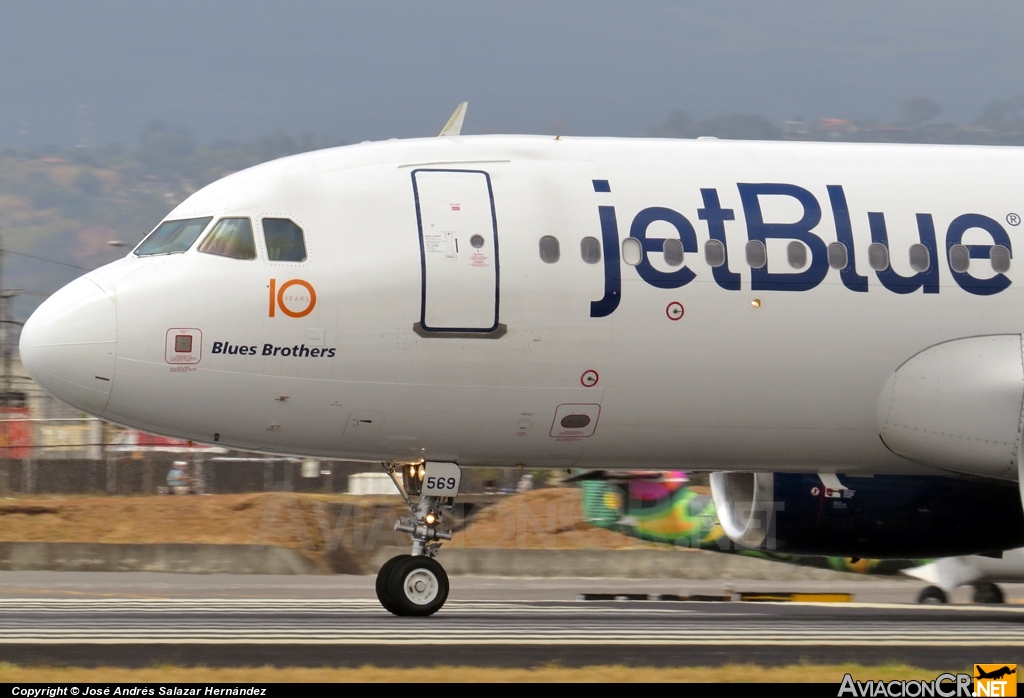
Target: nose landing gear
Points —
{"points": [[417, 585]]}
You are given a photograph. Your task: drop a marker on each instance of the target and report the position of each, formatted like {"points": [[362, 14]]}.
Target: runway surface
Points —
{"points": [[220, 620]]}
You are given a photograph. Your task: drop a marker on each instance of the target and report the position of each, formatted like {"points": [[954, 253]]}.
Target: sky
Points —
{"points": [[97, 72]]}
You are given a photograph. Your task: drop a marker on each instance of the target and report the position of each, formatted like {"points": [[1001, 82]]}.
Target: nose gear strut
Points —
{"points": [[416, 584]]}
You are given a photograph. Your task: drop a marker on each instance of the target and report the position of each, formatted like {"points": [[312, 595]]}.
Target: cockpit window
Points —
{"points": [[285, 242], [231, 237], [172, 237]]}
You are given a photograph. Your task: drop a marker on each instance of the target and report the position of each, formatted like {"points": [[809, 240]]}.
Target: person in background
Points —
{"points": [[177, 482]]}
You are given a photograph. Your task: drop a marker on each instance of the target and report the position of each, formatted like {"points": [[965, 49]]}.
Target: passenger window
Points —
{"points": [[590, 250], [959, 258], [673, 252], [878, 256], [285, 242], [231, 237], [920, 258], [632, 251], [1000, 258], [838, 257], [549, 249], [796, 253], [171, 237], [714, 253], [757, 254]]}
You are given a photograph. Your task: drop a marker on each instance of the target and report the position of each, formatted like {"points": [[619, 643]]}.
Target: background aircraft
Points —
{"points": [[666, 508]]}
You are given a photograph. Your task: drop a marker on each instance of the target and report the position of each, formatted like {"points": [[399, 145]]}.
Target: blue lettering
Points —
{"points": [[763, 280], [268, 349], [638, 230], [716, 216], [218, 347], [612, 274], [844, 234], [955, 236], [927, 279]]}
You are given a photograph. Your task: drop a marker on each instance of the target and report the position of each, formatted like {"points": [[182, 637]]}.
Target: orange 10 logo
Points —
{"points": [[292, 301]]}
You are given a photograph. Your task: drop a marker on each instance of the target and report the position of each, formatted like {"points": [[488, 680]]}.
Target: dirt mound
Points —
{"points": [[546, 519], [287, 519]]}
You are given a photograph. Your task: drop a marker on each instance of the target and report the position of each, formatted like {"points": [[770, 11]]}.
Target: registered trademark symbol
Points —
{"points": [[1013, 219]]}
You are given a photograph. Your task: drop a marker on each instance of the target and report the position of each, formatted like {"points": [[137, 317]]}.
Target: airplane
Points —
{"points": [[665, 508], [983, 572], [747, 309], [994, 674]]}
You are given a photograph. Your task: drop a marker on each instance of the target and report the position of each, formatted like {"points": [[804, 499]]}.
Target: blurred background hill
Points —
{"points": [[66, 205]]}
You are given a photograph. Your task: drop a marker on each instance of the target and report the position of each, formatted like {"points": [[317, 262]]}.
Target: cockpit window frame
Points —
{"points": [[212, 228], [199, 235], [261, 239]]}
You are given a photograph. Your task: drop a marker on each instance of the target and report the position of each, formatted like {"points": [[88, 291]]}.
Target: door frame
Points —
{"points": [[497, 329]]}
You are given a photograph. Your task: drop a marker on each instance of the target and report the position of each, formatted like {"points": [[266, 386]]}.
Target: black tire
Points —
{"points": [[932, 595], [418, 586], [383, 576], [987, 592]]}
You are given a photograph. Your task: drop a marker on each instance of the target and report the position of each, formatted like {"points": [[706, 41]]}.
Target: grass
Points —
{"points": [[11, 673]]}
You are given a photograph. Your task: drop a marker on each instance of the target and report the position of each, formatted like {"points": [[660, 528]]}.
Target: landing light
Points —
{"points": [[421, 472], [430, 519]]}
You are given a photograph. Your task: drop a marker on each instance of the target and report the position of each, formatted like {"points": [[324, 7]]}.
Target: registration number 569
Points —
{"points": [[442, 483], [441, 479]]}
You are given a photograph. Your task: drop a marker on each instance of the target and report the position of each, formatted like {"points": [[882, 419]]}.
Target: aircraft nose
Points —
{"points": [[68, 345]]}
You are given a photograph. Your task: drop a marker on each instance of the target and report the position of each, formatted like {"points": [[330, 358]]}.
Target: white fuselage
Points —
{"points": [[778, 369]]}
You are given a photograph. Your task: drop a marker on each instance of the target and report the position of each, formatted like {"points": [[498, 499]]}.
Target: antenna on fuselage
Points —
{"points": [[454, 125]]}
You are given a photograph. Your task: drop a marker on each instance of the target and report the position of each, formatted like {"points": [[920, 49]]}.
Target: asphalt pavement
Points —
{"points": [[141, 619]]}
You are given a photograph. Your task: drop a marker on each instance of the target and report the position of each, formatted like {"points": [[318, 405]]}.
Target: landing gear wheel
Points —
{"points": [[417, 586], [382, 582], [987, 592], [932, 595]]}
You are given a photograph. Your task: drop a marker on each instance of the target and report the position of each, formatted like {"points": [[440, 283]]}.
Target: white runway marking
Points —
{"points": [[363, 622]]}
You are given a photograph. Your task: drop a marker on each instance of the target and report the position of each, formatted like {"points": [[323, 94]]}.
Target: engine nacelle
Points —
{"points": [[957, 405], [745, 505], [884, 516]]}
